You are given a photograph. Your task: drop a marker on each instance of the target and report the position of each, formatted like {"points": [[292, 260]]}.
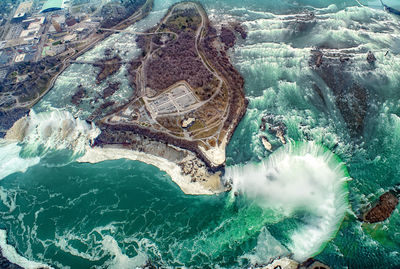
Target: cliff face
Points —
{"points": [[383, 209]]}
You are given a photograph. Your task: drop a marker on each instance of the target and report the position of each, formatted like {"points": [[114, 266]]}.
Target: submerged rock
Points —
{"points": [[240, 29], [267, 145], [371, 57], [313, 264], [227, 37], [79, 94], [382, 209], [275, 127]]}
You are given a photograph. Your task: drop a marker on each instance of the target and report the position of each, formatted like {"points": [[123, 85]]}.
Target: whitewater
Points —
{"points": [[301, 201]]}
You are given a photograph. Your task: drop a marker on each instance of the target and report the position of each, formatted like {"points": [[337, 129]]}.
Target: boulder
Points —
{"points": [[371, 57], [382, 209]]}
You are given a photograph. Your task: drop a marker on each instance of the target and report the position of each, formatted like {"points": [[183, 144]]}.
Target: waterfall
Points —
{"points": [[301, 177]]}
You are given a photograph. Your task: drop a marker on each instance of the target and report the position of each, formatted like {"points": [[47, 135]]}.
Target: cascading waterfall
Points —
{"points": [[57, 130], [33, 137], [302, 177]]}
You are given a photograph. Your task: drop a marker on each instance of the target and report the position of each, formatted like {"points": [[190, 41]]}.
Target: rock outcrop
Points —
{"points": [[371, 57], [382, 209], [275, 127]]}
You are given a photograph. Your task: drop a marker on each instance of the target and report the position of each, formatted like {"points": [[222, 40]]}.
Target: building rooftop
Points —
{"points": [[22, 9], [52, 5]]}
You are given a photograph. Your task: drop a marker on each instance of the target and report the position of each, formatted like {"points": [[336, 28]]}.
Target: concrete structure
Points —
{"points": [[178, 100], [52, 5], [19, 58]]}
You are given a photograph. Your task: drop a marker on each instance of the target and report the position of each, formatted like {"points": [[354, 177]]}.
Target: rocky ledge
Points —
{"points": [[382, 209]]}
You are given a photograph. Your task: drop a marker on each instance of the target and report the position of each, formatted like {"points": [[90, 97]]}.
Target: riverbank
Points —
{"points": [[209, 185]]}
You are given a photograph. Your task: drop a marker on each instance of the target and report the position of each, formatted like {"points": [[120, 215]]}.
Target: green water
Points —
{"points": [[84, 215], [120, 214]]}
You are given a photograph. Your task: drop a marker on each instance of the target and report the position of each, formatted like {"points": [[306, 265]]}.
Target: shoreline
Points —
{"points": [[11, 258], [211, 186]]}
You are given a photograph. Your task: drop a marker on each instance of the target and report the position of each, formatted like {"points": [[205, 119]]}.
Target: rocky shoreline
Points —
{"points": [[184, 168], [127, 135], [6, 264]]}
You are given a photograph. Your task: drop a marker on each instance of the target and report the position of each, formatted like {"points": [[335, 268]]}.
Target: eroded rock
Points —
{"points": [[382, 209], [371, 57], [275, 127]]}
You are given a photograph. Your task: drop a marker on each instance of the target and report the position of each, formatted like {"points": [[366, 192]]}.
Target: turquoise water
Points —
{"points": [[119, 214]]}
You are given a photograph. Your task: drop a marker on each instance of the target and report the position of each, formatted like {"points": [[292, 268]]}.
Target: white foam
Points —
{"points": [[10, 160], [47, 131], [120, 260], [8, 199], [11, 254], [101, 243], [305, 178], [267, 248], [57, 130]]}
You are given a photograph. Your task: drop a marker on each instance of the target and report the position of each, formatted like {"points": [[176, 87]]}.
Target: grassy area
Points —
{"points": [[56, 43], [182, 20], [207, 133], [197, 125]]}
